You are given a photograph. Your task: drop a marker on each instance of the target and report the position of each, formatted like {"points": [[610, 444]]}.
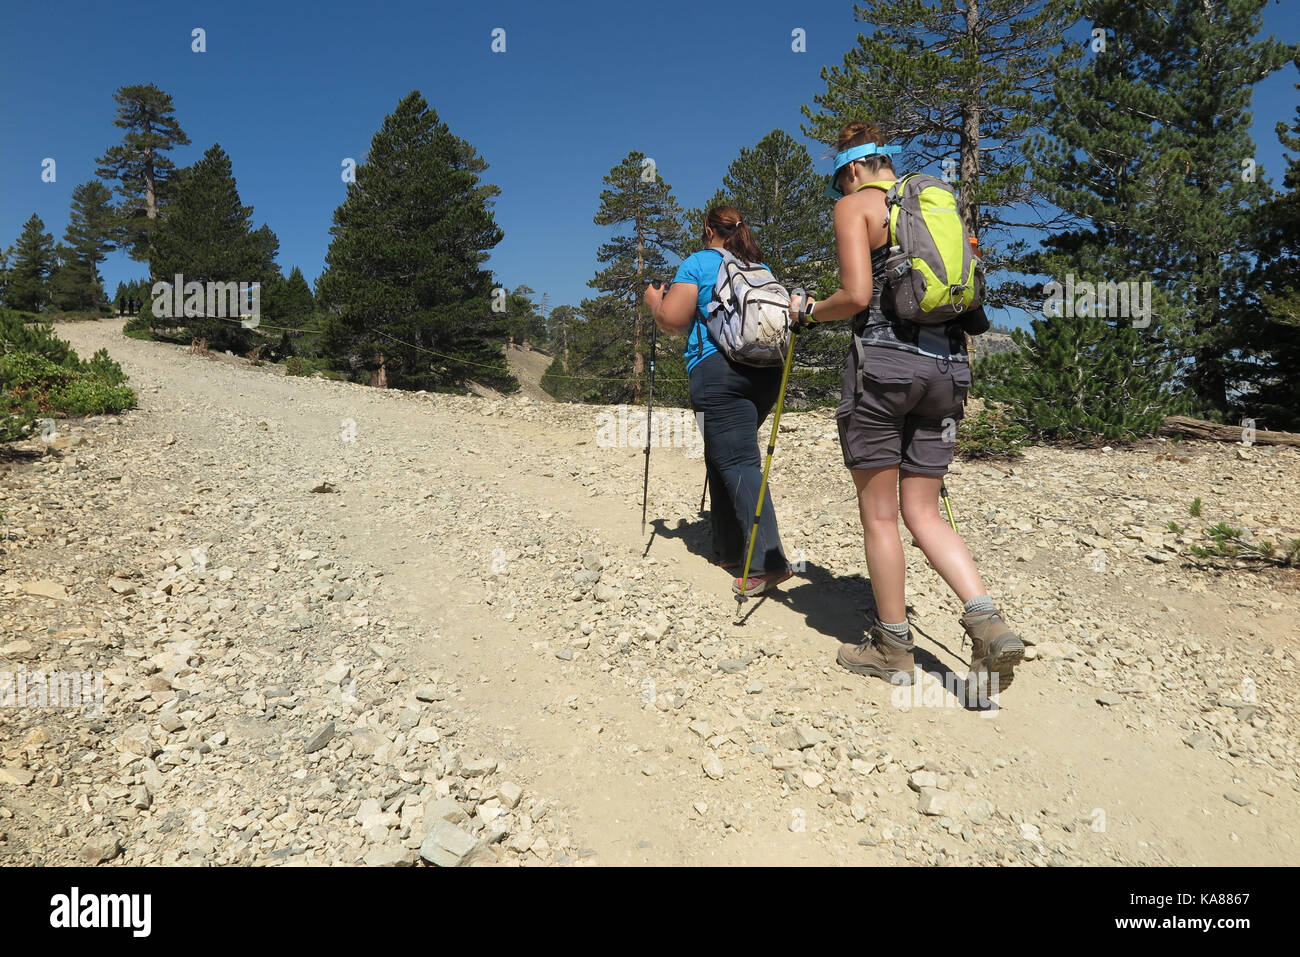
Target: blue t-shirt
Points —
{"points": [[702, 269]]}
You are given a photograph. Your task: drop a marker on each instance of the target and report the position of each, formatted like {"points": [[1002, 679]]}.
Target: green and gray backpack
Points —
{"points": [[932, 274]]}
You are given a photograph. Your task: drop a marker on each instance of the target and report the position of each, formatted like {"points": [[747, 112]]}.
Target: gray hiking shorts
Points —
{"points": [[904, 414]]}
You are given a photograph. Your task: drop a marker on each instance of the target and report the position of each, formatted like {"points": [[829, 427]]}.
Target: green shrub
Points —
{"points": [[40, 375], [307, 366], [1081, 380], [87, 395], [26, 369], [18, 335], [990, 433], [106, 368], [1225, 541], [137, 327]]}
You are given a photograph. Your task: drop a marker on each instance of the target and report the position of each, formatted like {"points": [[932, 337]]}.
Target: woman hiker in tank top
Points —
{"points": [[901, 396]]}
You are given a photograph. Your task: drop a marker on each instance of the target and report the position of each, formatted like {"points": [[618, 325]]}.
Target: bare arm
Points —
{"points": [[853, 242], [673, 311]]}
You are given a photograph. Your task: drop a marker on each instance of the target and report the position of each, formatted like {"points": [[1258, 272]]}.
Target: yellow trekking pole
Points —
{"points": [[767, 466], [947, 505]]}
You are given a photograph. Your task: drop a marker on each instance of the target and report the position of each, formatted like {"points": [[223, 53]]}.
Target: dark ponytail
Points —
{"points": [[727, 225]]}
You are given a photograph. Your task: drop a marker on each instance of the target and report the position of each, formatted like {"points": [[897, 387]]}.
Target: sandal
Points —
{"points": [[760, 583]]}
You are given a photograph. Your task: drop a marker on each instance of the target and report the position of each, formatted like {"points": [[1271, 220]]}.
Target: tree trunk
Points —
{"points": [[638, 330], [970, 133], [1213, 432]]}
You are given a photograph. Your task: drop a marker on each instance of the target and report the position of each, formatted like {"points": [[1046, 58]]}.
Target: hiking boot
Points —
{"points": [[881, 655], [995, 648]]}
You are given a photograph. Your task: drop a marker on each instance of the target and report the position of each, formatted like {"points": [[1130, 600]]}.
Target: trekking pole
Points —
{"points": [[704, 491], [947, 505], [649, 414], [762, 488]]}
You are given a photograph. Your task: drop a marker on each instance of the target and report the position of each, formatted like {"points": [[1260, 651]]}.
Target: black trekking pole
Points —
{"points": [[649, 415], [704, 491]]}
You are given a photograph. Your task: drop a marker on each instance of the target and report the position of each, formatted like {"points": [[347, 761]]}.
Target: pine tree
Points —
{"points": [[522, 320], [90, 223], [409, 301], [617, 324], [208, 236], [781, 198], [28, 286], [5, 255], [1266, 342], [74, 285], [1160, 118], [558, 322], [299, 303], [89, 238], [1080, 378], [960, 87], [143, 171]]}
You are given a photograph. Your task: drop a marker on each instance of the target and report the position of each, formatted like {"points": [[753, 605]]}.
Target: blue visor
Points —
{"points": [[855, 153]]}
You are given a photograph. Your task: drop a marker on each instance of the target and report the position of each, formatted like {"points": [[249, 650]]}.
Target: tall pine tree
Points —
{"points": [[208, 236], [523, 322], [28, 285], [89, 238], [299, 303], [1266, 341], [140, 165], [960, 86], [560, 323], [74, 284], [1149, 140], [609, 348], [410, 304]]}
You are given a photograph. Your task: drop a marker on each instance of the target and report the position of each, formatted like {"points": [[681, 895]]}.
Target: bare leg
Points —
{"points": [[943, 547], [878, 508]]}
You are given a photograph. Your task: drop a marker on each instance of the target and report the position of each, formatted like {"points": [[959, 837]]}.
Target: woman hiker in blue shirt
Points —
{"points": [[731, 400]]}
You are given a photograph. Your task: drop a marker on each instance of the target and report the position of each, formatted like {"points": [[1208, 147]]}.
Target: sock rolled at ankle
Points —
{"points": [[980, 603], [902, 631]]}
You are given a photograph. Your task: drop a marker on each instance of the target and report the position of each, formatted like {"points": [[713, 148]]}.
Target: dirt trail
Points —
{"points": [[668, 733]]}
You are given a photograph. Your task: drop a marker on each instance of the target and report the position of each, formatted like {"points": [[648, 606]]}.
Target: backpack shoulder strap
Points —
{"points": [[892, 188]]}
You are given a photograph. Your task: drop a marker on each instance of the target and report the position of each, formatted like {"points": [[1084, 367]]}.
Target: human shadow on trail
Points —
{"points": [[838, 607], [977, 695]]}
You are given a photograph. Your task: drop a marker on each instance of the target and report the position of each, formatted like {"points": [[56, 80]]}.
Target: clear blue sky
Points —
{"points": [[290, 89]]}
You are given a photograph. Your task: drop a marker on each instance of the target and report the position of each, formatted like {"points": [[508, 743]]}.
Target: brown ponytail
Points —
{"points": [[727, 225], [858, 133]]}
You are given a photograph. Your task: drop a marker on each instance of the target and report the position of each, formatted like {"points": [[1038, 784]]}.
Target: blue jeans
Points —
{"points": [[731, 401]]}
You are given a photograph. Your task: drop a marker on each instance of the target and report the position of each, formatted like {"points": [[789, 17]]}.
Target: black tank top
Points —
{"points": [[875, 328]]}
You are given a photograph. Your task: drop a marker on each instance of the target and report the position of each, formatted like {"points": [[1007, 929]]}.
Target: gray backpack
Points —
{"points": [[749, 317]]}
